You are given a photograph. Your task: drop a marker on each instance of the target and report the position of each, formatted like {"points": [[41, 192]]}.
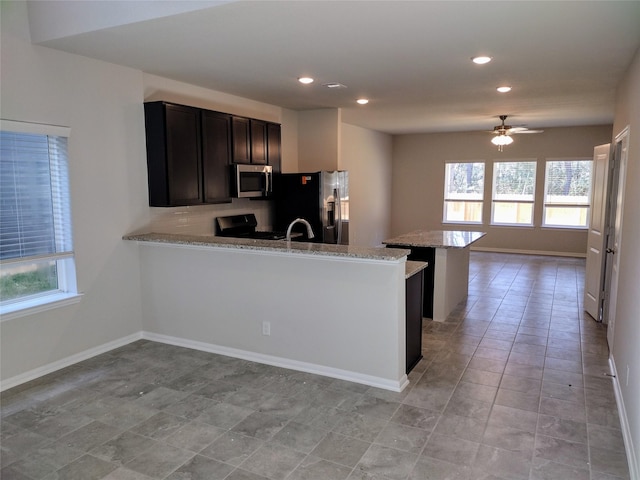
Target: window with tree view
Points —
{"points": [[514, 185], [36, 250], [567, 193], [463, 192]]}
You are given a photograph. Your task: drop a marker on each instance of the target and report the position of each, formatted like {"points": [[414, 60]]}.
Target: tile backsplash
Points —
{"points": [[200, 219]]}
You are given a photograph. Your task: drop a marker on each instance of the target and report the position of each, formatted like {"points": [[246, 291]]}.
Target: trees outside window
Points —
{"points": [[567, 193], [463, 192], [514, 185]]}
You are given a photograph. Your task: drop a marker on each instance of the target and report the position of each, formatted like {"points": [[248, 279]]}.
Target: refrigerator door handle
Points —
{"points": [[339, 208]]}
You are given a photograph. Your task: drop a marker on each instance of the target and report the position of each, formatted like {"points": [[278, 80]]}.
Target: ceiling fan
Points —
{"points": [[503, 133]]}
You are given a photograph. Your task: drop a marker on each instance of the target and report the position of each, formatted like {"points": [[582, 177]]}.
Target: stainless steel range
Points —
{"points": [[244, 226]]}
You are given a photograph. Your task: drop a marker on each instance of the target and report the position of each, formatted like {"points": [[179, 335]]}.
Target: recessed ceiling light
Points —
{"points": [[504, 89], [481, 60], [305, 80], [362, 101]]}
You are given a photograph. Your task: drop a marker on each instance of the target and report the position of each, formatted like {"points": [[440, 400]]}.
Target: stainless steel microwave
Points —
{"points": [[251, 181]]}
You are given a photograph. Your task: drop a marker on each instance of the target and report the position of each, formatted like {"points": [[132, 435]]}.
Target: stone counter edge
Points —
{"points": [[282, 246], [412, 267]]}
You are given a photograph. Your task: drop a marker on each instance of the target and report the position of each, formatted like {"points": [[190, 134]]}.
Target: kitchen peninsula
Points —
{"points": [[334, 310], [447, 278]]}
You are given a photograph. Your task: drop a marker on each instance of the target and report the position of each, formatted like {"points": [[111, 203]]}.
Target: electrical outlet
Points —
{"points": [[266, 328]]}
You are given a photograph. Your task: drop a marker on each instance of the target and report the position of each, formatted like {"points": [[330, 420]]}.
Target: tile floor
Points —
{"points": [[511, 386]]}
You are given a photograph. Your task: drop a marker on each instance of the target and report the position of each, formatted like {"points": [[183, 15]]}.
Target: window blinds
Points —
{"points": [[35, 220]]}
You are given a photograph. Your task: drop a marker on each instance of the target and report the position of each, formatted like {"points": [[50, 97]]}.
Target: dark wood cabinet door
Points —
{"points": [[258, 142], [173, 154], [216, 156], [183, 155], [241, 140], [274, 147]]}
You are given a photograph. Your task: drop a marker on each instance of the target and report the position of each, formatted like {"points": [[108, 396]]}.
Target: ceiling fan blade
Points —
{"points": [[525, 130], [510, 130]]}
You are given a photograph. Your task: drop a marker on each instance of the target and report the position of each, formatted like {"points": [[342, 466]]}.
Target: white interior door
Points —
{"points": [[614, 240], [594, 279]]}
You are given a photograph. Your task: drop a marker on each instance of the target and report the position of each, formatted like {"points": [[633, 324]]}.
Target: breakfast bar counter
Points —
{"points": [[274, 246], [334, 310], [447, 278]]}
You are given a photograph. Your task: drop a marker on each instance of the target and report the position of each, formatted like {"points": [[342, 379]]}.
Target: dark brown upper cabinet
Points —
{"points": [[241, 137], [258, 142], [188, 153], [255, 141], [174, 165], [216, 153], [274, 155]]}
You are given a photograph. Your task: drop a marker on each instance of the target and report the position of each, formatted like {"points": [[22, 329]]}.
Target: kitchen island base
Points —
{"points": [[447, 278], [333, 315], [414, 289], [452, 285]]}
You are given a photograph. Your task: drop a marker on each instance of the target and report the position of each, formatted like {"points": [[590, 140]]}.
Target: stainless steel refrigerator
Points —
{"points": [[321, 198]]}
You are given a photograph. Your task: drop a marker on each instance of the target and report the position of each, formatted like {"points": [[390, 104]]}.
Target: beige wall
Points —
{"points": [[418, 183], [325, 143], [102, 104], [366, 155], [625, 349], [319, 140]]}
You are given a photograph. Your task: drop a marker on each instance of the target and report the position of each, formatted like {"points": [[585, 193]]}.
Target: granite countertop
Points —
{"points": [[412, 267], [295, 248], [436, 239]]}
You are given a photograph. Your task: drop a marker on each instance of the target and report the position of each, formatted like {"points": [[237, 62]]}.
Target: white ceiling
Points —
{"points": [[410, 58]]}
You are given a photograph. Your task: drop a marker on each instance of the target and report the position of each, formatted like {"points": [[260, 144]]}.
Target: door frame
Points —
{"points": [[614, 235]]}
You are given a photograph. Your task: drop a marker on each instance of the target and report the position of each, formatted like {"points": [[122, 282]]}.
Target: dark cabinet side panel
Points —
{"points": [[426, 254], [155, 131], [274, 155], [216, 156], [413, 309]]}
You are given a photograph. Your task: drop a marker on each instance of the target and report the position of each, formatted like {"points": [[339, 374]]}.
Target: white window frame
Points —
{"points": [[495, 201], [546, 204], [463, 200], [67, 292]]}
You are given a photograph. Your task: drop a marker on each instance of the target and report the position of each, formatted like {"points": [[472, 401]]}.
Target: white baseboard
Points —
{"points": [[634, 470], [395, 386], [529, 252], [68, 361], [282, 362]]}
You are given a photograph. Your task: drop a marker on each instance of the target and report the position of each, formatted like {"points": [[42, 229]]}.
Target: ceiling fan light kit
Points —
{"points": [[502, 140], [503, 133]]}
